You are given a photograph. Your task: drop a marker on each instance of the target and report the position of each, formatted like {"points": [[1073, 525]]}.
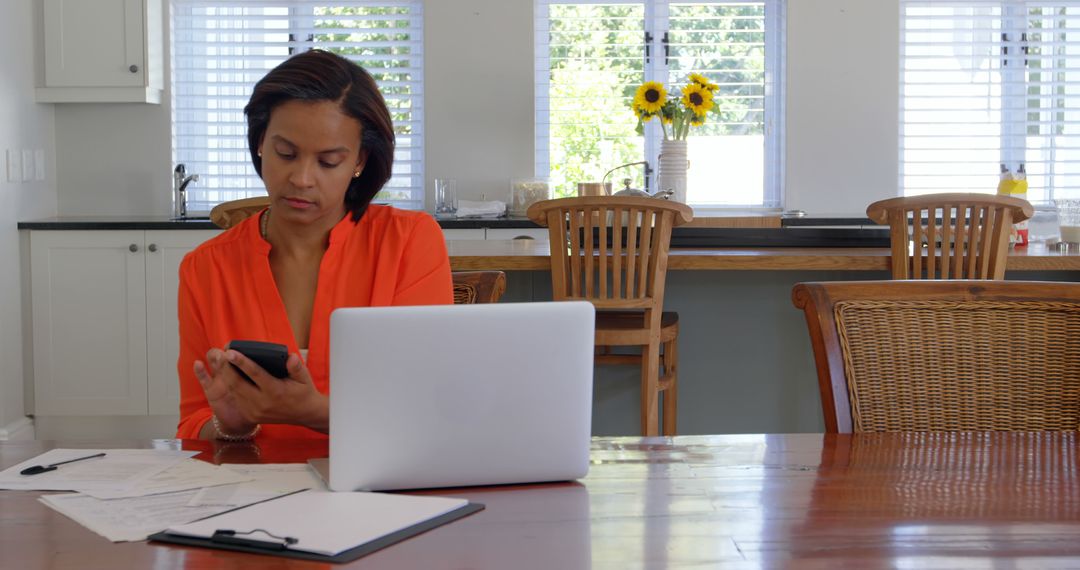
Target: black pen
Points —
{"points": [[37, 469]]}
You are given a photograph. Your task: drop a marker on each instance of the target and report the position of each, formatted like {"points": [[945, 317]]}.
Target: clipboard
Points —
{"points": [[260, 541]]}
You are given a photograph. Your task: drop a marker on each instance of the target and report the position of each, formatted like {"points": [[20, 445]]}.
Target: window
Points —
{"points": [[990, 83], [222, 48], [592, 56]]}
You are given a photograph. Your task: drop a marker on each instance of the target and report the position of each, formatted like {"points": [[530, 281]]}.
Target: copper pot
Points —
{"points": [[593, 188]]}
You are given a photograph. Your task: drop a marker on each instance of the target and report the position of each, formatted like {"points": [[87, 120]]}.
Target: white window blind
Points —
{"points": [[222, 48], [592, 56], [986, 83]]}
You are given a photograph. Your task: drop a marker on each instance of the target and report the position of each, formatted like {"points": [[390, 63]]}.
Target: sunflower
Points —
{"points": [[697, 120], [702, 81], [697, 98], [650, 97], [640, 113]]}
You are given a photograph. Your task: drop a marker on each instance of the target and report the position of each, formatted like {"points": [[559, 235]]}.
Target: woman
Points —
{"points": [[322, 140]]}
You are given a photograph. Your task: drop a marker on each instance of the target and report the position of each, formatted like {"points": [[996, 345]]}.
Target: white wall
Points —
{"points": [[843, 98], [23, 125], [478, 82], [841, 124]]}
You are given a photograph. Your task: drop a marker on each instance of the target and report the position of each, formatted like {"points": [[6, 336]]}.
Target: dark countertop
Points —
{"points": [[117, 223], [795, 232], [827, 220], [203, 223]]}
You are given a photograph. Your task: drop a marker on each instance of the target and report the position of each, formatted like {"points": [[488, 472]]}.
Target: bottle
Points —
{"points": [[1021, 192], [1015, 185]]}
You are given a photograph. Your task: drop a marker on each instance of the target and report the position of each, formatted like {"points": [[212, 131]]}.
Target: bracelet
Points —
{"points": [[230, 437]]}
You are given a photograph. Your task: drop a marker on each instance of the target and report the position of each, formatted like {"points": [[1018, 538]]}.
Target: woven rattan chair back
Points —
{"points": [[610, 250], [949, 236], [945, 355], [478, 286]]}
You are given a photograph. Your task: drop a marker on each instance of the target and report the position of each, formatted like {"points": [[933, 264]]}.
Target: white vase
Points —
{"points": [[671, 169]]}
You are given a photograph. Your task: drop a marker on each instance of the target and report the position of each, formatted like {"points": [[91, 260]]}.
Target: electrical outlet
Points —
{"points": [[14, 165], [27, 165], [39, 165]]}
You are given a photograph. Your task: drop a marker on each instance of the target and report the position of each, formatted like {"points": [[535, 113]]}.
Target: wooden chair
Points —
{"points": [[949, 236], [952, 355], [227, 214], [469, 286], [613, 252]]}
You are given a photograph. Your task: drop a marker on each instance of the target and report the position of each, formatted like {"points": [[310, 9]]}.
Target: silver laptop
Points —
{"points": [[457, 395]]}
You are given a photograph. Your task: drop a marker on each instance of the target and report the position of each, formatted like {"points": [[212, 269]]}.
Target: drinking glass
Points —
{"points": [[445, 196], [1044, 225], [1069, 218]]}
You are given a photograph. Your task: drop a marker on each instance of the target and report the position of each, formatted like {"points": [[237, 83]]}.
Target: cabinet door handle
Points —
{"points": [[133, 69], [152, 247], [133, 248]]}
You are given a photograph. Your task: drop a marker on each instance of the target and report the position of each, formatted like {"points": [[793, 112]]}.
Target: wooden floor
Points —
{"points": [[741, 501]]}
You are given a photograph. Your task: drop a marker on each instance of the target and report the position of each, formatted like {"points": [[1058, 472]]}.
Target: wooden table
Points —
{"points": [[533, 255], [744, 501]]}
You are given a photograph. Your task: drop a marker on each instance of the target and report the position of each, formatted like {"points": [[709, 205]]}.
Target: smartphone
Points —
{"points": [[270, 356]]}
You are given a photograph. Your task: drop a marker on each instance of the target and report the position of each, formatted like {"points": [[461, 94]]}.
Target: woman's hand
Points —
{"points": [[240, 406], [216, 378]]}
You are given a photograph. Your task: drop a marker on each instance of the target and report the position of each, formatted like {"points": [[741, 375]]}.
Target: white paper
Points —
{"points": [[118, 470], [121, 520], [183, 476], [265, 481], [324, 522]]}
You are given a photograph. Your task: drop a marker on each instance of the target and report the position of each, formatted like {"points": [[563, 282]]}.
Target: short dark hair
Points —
{"points": [[318, 75]]}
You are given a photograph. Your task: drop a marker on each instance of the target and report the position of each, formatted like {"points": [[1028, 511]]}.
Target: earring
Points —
{"points": [[258, 153], [356, 174]]}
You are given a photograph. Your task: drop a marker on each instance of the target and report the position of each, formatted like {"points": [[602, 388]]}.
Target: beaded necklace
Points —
{"points": [[262, 223]]}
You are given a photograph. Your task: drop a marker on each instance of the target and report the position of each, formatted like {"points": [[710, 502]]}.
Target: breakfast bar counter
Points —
{"points": [[532, 255]]}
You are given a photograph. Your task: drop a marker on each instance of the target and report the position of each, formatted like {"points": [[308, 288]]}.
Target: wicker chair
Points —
{"points": [[925, 231], [954, 355], [613, 251], [478, 286], [469, 286]]}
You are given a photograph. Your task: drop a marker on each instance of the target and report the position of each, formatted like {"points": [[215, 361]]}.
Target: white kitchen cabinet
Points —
{"points": [[463, 233], [495, 233], [102, 51], [164, 251], [518, 233], [104, 320]]}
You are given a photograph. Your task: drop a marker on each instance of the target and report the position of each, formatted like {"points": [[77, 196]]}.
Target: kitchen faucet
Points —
{"points": [[180, 184]]}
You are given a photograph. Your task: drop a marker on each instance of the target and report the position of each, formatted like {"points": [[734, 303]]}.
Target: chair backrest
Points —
{"points": [[227, 214], [952, 355], [478, 286], [610, 250], [949, 236]]}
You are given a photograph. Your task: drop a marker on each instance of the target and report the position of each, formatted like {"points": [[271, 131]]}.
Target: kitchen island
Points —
{"points": [[746, 365]]}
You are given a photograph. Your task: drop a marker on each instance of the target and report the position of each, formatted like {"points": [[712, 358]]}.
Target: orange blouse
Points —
{"points": [[227, 291]]}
